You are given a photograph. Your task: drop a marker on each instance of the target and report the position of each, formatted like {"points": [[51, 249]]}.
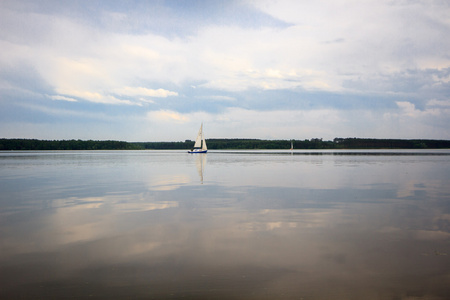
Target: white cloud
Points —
{"points": [[235, 59], [141, 91], [410, 110], [439, 103], [218, 98], [410, 122], [144, 100], [407, 108], [378, 37], [96, 97], [62, 98], [167, 116]]}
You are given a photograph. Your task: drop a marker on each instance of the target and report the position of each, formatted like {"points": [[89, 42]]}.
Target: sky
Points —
{"points": [[155, 70]]}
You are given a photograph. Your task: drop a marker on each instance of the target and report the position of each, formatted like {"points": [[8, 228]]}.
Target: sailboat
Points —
{"points": [[200, 143]]}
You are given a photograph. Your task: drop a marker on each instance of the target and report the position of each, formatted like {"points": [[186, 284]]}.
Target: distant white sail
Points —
{"points": [[198, 141]]}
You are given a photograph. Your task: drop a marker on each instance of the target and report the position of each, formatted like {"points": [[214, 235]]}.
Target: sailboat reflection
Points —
{"points": [[201, 163]]}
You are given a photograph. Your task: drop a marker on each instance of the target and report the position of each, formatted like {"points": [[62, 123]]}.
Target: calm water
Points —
{"points": [[226, 225]]}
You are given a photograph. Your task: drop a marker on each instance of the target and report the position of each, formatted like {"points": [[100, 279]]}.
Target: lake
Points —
{"points": [[225, 225]]}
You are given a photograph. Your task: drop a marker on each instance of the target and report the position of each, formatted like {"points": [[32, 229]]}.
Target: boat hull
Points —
{"points": [[197, 151]]}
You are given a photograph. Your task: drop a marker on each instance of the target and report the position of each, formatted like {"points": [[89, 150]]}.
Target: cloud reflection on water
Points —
{"points": [[314, 232]]}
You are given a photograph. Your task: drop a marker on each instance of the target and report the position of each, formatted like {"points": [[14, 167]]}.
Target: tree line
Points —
{"points": [[217, 144], [33, 144]]}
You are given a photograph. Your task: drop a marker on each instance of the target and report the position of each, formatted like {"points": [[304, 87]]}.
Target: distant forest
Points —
{"points": [[216, 144], [32, 144]]}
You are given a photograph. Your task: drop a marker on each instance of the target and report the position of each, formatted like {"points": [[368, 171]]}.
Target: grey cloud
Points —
{"points": [[24, 77], [171, 18], [420, 84]]}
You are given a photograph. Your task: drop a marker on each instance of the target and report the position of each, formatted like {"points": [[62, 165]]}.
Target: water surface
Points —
{"points": [[225, 225]]}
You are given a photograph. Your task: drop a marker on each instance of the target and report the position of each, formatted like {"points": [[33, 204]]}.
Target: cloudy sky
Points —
{"points": [[154, 70]]}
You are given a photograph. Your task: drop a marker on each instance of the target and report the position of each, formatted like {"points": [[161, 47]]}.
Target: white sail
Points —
{"points": [[198, 141], [204, 143]]}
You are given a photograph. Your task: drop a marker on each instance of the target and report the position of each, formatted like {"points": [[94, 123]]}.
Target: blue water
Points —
{"points": [[225, 225]]}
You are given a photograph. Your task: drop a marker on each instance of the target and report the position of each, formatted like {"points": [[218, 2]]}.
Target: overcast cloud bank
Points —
{"points": [[150, 71]]}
